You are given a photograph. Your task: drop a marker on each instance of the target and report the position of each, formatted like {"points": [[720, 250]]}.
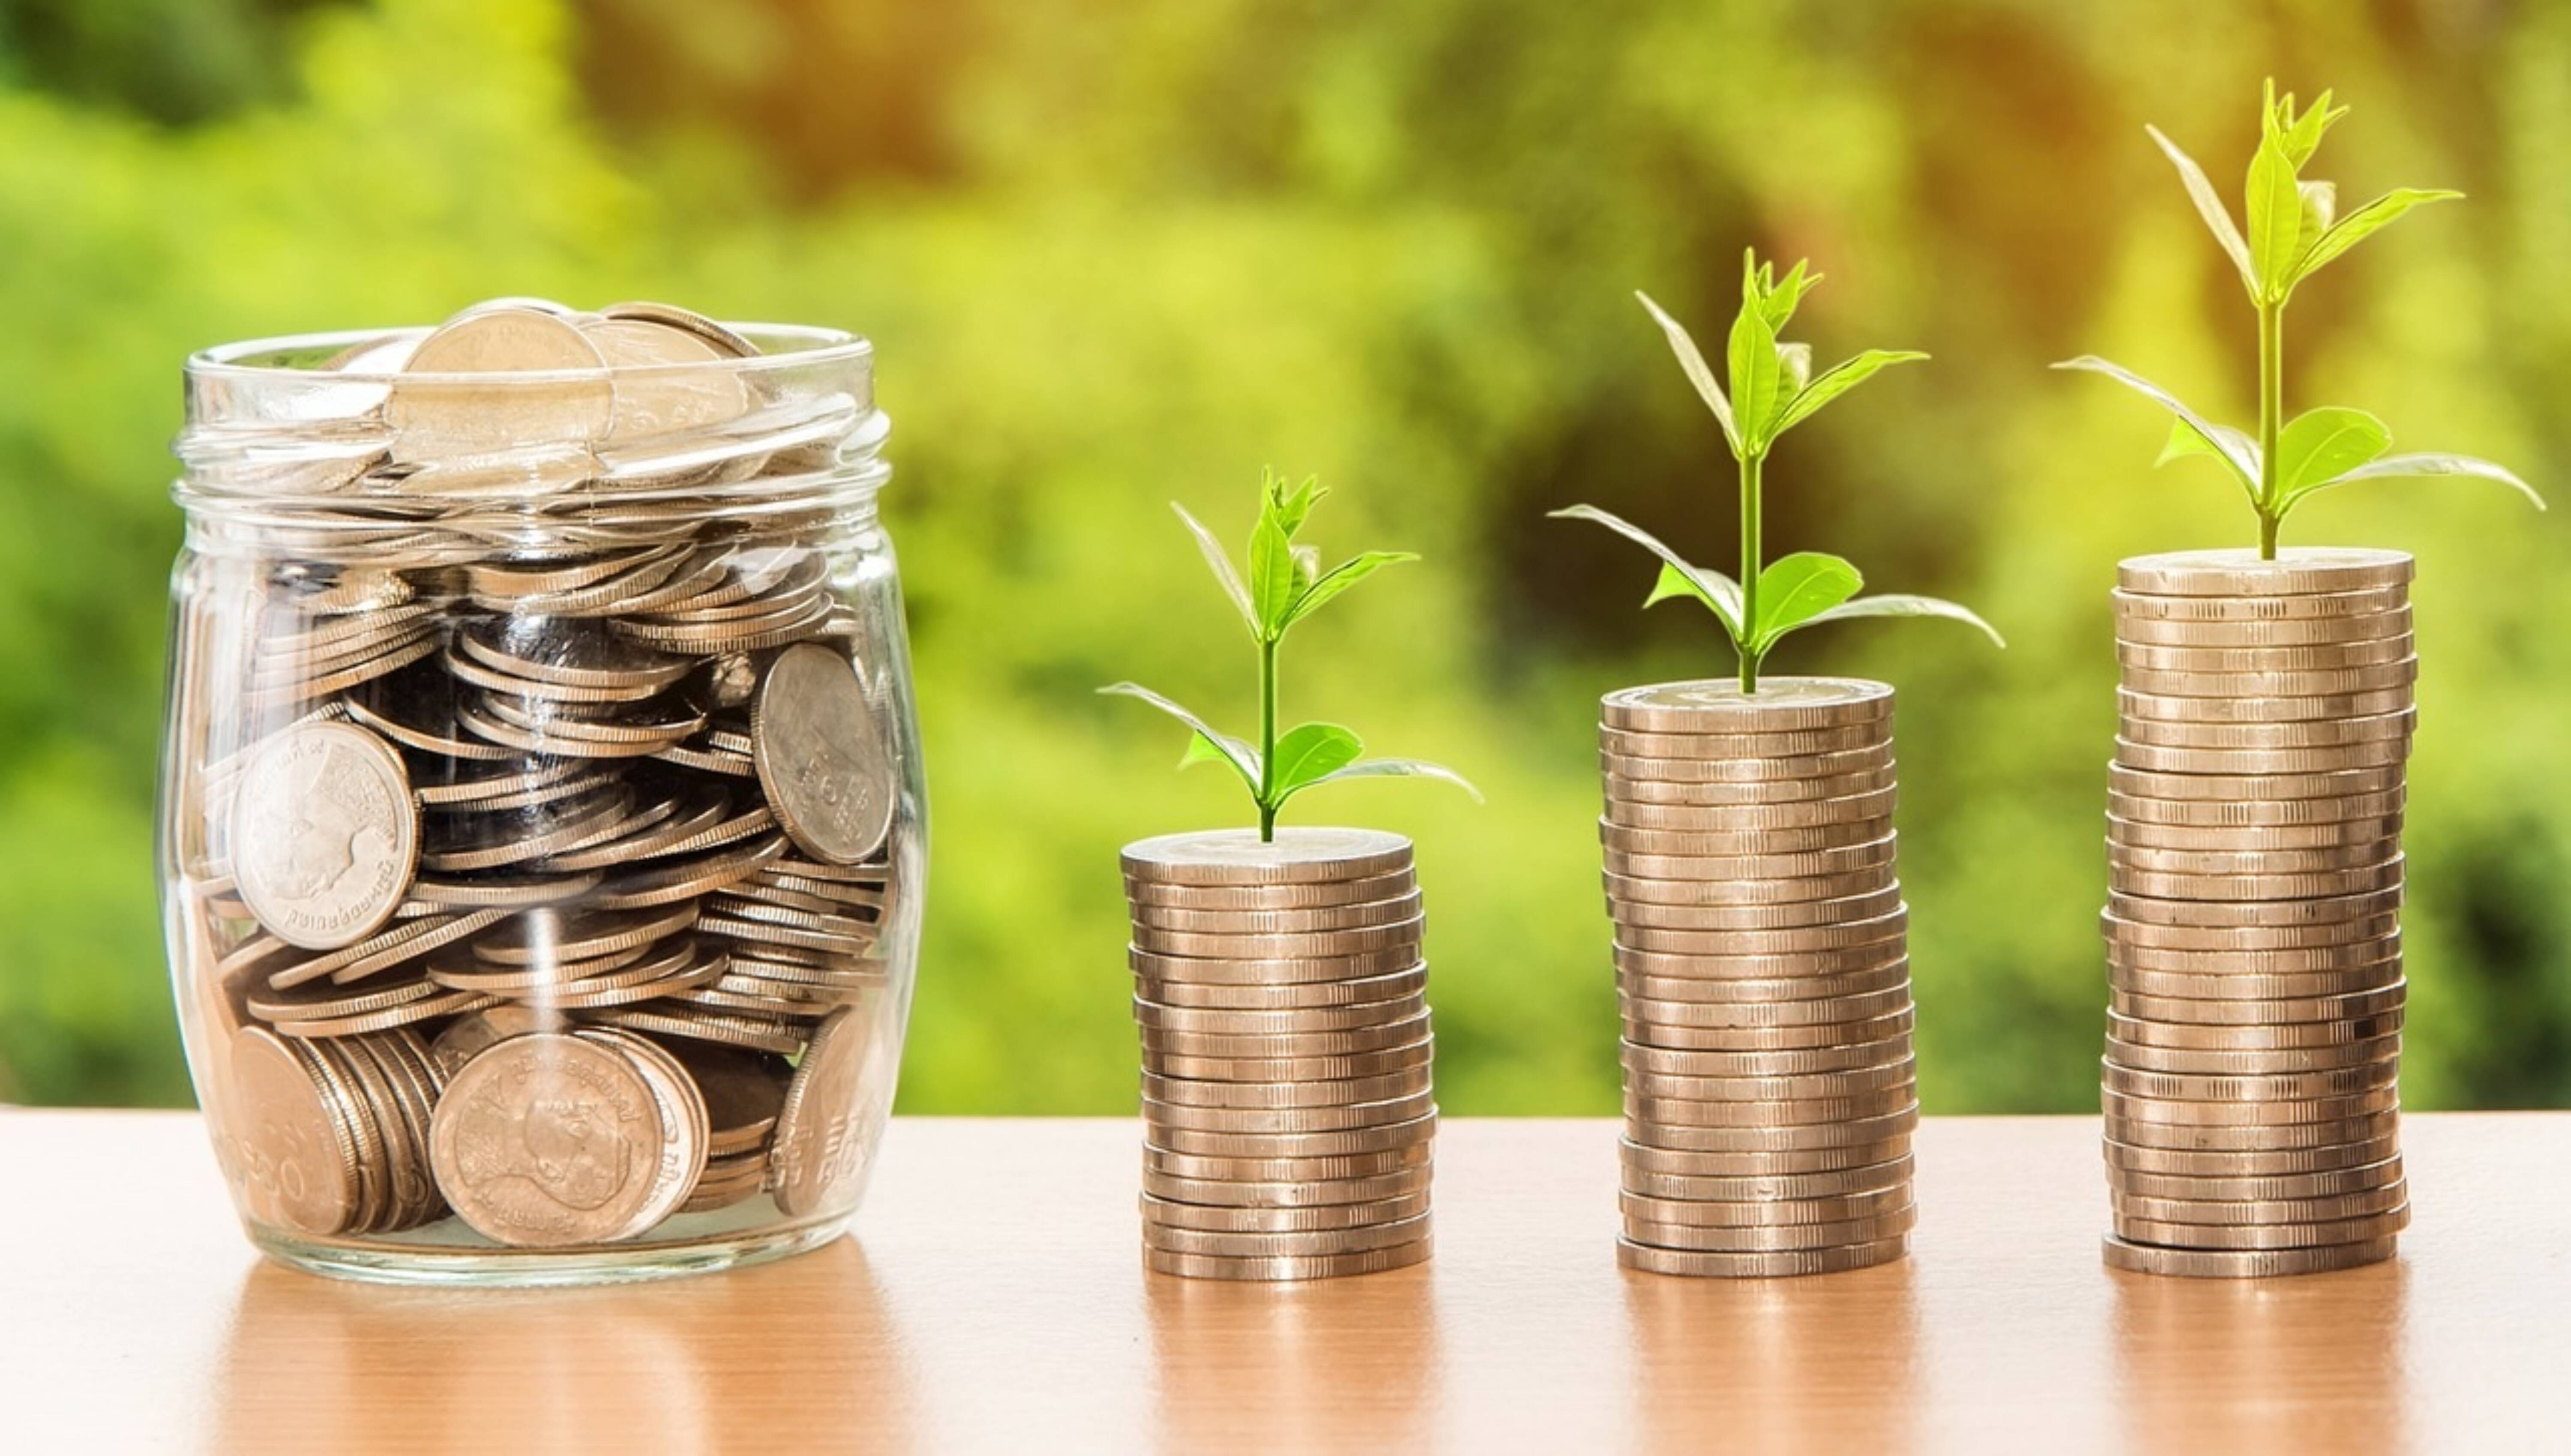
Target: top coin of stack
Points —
{"points": [[1762, 963], [2253, 947], [1288, 1110]]}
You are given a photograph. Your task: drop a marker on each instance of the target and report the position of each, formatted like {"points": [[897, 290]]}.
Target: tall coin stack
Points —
{"points": [[1764, 972], [1287, 1112], [2254, 942]]}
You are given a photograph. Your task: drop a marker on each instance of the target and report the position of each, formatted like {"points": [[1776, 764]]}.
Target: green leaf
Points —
{"points": [[2318, 445], [1202, 749], [1242, 758], [1839, 379], [1221, 566], [1693, 361], [1716, 589], [1310, 753], [1272, 575], [1398, 768], [1797, 586], [1779, 297], [2229, 445], [2208, 205], [1673, 583], [2393, 466], [1902, 604], [1339, 578], [1294, 505], [1756, 377], [2365, 222], [2275, 217]]}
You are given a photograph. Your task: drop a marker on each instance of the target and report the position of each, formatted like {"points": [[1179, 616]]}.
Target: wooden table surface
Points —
{"points": [[993, 1300]]}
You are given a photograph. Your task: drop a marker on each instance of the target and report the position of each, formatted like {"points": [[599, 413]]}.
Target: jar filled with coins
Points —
{"points": [[541, 840]]}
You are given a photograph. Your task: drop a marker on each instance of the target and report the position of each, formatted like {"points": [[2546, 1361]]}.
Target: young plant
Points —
{"points": [[1286, 585], [1773, 391], [2293, 233]]}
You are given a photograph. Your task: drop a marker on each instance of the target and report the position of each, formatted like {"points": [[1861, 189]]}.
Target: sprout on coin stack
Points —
{"points": [[1762, 957], [542, 787], [2254, 809], [1278, 983]]}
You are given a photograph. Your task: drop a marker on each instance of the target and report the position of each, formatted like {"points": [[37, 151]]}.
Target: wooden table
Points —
{"points": [[993, 1301]]}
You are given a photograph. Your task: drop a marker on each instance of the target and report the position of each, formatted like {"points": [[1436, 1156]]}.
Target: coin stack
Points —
{"points": [[2254, 942], [544, 884], [1763, 968], [1287, 1112]]}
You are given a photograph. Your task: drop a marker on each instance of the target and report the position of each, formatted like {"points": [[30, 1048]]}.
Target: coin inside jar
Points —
{"points": [[821, 756], [548, 1140]]}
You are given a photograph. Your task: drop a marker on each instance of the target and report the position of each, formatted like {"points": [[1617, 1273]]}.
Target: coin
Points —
{"points": [[1780, 965], [2202, 989], [2226, 1062], [1761, 1212], [2353, 1005], [1370, 1138], [2253, 864], [2308, 658], [2343, 784], [2308, 733], [1757, 891], [819, 1147], [1893, 1172], [1313, 1242], [2355, 602], [2245, 839], [1739, 818], [1623, 785], [2336, 1081], [1864, 1131], [1159, 1118], [1886, 926], [1900, 1075], [1719, 875], [1766, 1038], [2353, 958], [1236, 857], [2127, 1110], [1866, 896], [324, 836], [1271, 971], [1293, 1069], [1289, 1193], [445, 402], [1304, 1266], [1781, 704], [1366, 889], [1771, 1264], [544, 1139], [824, 755], [1745, 769], [2248, 937], [1167, 1091], [2258, 1162], [1289, 997], [1670, 1112], [1407, 1015], [1285, 1169], [2265, 704], [1673, 1169], [2326, 1183], [2283, 1036], [1732, 991], [2137, 624], [1643, 1011], [1696, 854], [2243, 1263], [2262, 1138], [1792, 1062], [298, 1162], [1281, 1221], [1761, 1239], [2333, 1209], [2262, 763], [1280, 945], [2361, 1229], [1791, 743], [2282, 913], [2298, 571]]}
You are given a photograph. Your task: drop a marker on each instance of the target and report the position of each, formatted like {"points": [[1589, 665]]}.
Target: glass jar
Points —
{"points": [[541, 830]]}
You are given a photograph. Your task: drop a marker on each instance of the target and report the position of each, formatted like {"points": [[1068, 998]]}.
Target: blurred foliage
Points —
{"points": [[1115, 253]]}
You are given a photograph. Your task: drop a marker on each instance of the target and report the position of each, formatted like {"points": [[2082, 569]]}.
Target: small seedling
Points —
{"points": [[1773, 391], [2293, 233], [1284, 586]]}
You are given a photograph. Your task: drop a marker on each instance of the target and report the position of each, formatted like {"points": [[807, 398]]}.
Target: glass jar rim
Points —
{"points": [[246, 362]]}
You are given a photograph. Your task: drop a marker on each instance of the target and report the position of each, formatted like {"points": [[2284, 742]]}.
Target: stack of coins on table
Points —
{"points": [[1762, 967], [1287, 1111], [2252, 929]]}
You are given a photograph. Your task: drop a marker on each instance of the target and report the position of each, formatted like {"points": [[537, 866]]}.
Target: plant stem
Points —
{"points": [[1268, 742], [2272, 390], [1749, 571]]}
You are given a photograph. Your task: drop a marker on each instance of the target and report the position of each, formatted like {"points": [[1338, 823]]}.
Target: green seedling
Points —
{"points": [[2293, 233], [1773, 391], [1286, 585]]}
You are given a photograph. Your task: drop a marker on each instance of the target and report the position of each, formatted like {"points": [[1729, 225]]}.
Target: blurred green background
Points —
{"points": [[1119, 252]]}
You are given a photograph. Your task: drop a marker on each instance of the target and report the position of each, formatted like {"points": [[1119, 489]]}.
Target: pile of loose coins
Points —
{"points": [[2254, 942], [1287, 1111], [1763, 968], [549, 888]]}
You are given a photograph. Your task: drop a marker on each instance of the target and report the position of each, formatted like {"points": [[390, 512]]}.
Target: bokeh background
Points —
{"points": [[1120, 252]]}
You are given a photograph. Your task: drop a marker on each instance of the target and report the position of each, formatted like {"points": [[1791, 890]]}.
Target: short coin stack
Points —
{"points": [[1287, 1111], [1762, 967], [2254, 942]]}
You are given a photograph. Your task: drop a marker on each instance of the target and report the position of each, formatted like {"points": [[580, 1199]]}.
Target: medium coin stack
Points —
{"points": [[547, 884], [1287, 1112], [1762, 967], [2254, 942]]}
